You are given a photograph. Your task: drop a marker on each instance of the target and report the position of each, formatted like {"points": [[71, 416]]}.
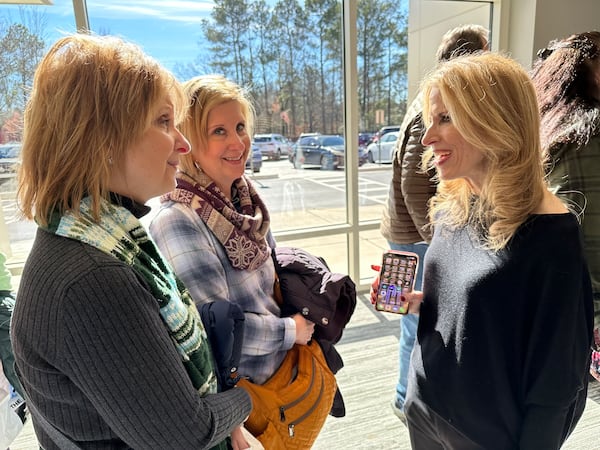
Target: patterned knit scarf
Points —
{"points": [[120, 234], [241, 233]]}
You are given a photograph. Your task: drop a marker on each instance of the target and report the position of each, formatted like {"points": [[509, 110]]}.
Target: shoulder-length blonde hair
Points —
{"points": [[92, 98], [492, 104], [205, 92]]}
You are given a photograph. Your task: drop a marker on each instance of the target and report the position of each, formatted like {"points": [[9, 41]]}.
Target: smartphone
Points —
{"points": [[397, 276]]}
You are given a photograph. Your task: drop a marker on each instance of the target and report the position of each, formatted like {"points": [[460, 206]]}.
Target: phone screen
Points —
{"points": [[397, 276]]}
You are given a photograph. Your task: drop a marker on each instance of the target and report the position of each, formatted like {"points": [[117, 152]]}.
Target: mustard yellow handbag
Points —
{"points": [[290, 409]]}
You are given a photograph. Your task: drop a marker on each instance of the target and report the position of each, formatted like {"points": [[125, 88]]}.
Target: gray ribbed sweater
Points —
{"points": [[98, 362]]}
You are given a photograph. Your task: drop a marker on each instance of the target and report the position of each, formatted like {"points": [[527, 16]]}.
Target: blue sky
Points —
{"points": [[169, 30]]}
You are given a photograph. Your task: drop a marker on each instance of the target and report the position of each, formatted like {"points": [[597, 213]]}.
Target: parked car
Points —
{"points": [[324, 150], [272, 145], [292, 155], [364, 139], [384, 130], [9, 157], [382, 151], [303, 135], [254, 161], [362, 156]]}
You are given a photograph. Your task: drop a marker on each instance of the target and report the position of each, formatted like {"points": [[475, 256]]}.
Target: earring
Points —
{"points": [[110, 161], [197, 165]]}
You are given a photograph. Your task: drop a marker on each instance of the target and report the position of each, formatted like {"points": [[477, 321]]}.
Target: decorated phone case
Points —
{"points": [[397, 275]]}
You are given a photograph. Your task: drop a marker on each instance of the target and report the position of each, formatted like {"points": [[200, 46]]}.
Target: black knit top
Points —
{"points": [[504, 338]]}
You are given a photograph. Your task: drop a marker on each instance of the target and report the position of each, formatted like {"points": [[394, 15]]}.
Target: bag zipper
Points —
{"points": [[310, 410], [285, 407]]}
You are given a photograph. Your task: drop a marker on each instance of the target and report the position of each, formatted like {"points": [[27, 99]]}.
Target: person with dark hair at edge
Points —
{"points": [[566, 77]]}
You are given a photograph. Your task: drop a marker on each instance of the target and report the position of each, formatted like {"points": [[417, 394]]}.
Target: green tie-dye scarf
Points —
{"points": [[120, 234]]}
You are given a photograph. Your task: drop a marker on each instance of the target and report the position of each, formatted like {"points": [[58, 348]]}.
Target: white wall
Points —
{"points": [[519, 27], [561, 18], [428, 21]]}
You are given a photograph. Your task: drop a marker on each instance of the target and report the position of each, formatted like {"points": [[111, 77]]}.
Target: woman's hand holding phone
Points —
{"points": [[411, 298], [414, 299]]}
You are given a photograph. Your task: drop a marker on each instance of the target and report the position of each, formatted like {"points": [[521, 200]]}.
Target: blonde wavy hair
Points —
{"points": [[205, 92], [92, 98], [492, 104]]}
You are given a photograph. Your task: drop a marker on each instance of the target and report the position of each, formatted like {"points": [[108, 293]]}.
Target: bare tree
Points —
{"points": [[290, 20], [227, 32], [20, 52], [21, 49], [290, 56], [264, 56]]}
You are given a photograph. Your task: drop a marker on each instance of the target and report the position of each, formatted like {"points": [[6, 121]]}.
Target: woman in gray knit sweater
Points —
{"points": [[109, 346]]}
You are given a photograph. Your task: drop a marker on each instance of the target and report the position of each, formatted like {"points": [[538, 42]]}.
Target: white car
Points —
{"points": [[272, 145], [382, 151]]}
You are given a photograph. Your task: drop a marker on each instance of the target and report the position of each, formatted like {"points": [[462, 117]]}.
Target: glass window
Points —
{"points": [[287, 53]]}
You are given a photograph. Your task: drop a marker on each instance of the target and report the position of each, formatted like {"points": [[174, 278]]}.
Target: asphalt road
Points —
{"points": [[282, 187]]}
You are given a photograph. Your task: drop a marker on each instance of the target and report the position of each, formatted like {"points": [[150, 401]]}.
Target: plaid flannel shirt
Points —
{"points": [[200, 261]]}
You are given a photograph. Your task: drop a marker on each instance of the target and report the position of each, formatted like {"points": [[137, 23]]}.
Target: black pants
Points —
{"points": [[7, 304], [428, 431]]}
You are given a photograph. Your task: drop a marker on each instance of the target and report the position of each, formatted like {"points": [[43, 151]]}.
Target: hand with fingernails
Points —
{"points": [[414, 298], [238, 441], [304, 329]]}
